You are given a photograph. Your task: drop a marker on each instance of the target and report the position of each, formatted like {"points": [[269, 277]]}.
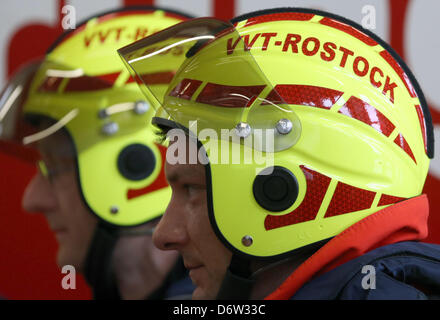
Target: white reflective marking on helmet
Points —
{"points": [[10, 101], [65, 73], [52, 129]]}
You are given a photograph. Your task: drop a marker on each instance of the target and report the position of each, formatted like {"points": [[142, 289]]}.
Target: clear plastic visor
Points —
{"points": [[13, 126], [45, 97], [218, 85]]}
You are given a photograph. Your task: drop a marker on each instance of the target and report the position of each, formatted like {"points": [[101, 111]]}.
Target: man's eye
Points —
{"points": [[43, 168], [46, 170], [50, 171]]}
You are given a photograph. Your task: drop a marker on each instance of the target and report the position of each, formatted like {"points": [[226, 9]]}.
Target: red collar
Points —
{"points": [[403, 221]]}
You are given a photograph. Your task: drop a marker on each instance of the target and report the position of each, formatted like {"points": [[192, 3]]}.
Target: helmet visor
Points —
{"points": [[30, 136], [13, 128], [91, 107], [217, 84]]}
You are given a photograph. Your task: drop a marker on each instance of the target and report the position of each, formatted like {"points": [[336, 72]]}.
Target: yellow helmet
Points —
{"points": [[350, 129], [83, 87]]}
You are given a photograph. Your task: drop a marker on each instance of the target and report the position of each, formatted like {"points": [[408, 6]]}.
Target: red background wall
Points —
{"points": [[27, 247]]}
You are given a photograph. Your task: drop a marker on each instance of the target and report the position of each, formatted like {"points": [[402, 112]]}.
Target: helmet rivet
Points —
{"points": [[247, 241], [140, 107], [114, 209], [110, 128], [242, 129], [284, 126], [102, 114]]}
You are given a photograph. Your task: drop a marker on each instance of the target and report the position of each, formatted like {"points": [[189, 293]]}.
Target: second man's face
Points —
{"points": [[58, 198]]}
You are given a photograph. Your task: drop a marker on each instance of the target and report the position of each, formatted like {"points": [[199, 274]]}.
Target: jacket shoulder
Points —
{"points": [[400, 271]]}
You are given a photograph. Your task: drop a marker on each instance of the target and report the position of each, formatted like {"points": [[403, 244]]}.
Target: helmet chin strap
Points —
{"points": [[238, 281], [98, 269]]}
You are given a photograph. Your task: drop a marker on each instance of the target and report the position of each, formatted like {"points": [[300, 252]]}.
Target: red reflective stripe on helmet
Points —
{"points": [[393, 63], [158, 77], [279, 17], [401, 142], [362, 111], [422, 125], [350, 30], [135, 78], [317, 185], [348, 199], [86, 83], [50, 84], [185, 89], [229, 96], [104, 81], [386, 199], [159, 183], [110, 77], [304, 95]]}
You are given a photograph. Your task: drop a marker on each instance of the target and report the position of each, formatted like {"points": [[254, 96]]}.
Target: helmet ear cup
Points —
{"points": [[136, 162], [275, 188]]}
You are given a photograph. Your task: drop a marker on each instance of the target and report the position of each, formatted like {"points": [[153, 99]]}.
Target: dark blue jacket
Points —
{"points": [[402, 271]]}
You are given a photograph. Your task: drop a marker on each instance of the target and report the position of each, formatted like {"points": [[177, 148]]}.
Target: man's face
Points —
{"points": [[185, 227], [58, 198]]}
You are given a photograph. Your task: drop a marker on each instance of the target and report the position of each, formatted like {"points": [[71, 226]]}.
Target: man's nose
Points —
{"points": [[171, 232], [38, 195]]}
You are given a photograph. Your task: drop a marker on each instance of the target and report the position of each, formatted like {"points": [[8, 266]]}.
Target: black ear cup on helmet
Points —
{"points": [[275, 188], [136, 162]]}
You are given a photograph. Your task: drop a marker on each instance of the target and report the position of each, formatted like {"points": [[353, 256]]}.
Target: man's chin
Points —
{"points": [[64, 258], [200, 293]]}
